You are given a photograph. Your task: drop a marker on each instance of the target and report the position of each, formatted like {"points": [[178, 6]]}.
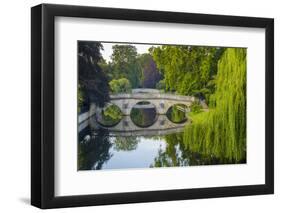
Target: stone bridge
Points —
{"points": [[126, 127], [161, 101]]}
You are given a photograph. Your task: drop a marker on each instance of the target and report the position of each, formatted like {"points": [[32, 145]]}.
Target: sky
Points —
{"points": [[107, 49]]}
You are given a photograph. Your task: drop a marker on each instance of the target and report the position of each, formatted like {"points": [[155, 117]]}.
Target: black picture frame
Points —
{"points": [[43, 102]]}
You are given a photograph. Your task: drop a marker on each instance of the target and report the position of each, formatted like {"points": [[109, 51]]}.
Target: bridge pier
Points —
{"points": [[161, 101], [126, 127]]}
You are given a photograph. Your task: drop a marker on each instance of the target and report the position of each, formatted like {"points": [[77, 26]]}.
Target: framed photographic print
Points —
{"points": [[140, 106]]}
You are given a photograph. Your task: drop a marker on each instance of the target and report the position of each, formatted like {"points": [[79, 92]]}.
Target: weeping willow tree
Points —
{"points": [[221, 132]]}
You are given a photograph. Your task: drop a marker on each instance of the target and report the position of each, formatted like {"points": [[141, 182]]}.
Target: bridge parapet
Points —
{"points": [[145, 90], [161, 101], [144, 96]]}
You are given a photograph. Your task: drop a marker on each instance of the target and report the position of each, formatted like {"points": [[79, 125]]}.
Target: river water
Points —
{"points": [[143, 139], [147, 140]]}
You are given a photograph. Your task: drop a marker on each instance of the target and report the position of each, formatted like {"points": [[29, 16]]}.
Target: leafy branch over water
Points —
{"points": [[221, 132]]}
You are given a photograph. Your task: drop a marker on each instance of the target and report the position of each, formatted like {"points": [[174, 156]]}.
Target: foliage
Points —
{"points": [[80, 98], [107, 68], [126, 143], [113, 112], [172, 154], [94, 153], [221, 132], [188, 70], [215, 74], [111, 115], [150, 74], [92, 80], [121, 85], [196, 107], [161, 85], [177, 113], [125, 64]]}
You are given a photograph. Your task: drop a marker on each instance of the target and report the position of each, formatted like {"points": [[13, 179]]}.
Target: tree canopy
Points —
{"points": [[188, 70], [93, 82], [125, 64], [121, 85], [150, 74], [221, 132]]}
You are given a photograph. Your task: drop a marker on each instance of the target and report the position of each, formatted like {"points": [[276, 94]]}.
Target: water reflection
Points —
{"points": [[143, 114], [125, 143], [109, 115], [144, 139], [103, 151], [173, 154], [94, 152], [177, 113], [110, 140]]}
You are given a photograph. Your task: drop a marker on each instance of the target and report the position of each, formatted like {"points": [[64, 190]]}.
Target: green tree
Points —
{"points": [[150, 75], [125, 64], [121, 85], [93, 81], [107, 68], [161, 85], [221, 132], [188, 70]]}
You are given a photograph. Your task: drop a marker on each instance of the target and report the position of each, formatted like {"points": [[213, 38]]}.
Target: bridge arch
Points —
{"points": [[100, 116], [179, 115], [162, 104], [162, 101], [144, 114], [126, 127]]}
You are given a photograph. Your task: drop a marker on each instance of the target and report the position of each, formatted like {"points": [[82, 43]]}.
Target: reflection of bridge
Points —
{"points": [[126, 127], [161, 101]]}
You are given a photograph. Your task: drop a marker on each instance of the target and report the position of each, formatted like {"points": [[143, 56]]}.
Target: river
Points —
{"points": [[142, 140]]}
